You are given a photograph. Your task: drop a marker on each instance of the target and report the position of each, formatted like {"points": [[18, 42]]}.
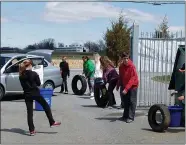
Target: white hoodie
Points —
{"points": [[98, 71]]}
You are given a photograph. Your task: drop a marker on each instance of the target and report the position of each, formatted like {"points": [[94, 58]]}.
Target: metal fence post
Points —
{"points": [[134, 54], [134, 48]]}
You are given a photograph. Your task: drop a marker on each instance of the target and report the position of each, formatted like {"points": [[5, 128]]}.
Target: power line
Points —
{"points": [[155, 2]]}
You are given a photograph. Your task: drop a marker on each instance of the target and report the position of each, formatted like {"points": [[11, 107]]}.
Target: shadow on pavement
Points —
{"points": [[12, 97], [170, 130], [85, 97], [58, 92], [16, 98], [54, 95], [91, 106], [150, 130], [118, 116], [138, 114], [175, 130], [115, 108], [23, 132], [111, 119]]}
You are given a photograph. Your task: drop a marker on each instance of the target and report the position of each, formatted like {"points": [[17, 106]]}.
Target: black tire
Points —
{"points": [[159, 127], [48, 84], [100, 97], [83, 83], [2, 92]]}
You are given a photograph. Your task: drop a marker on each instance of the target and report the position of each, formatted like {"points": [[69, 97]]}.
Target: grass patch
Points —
{"points": [[162, 79]]}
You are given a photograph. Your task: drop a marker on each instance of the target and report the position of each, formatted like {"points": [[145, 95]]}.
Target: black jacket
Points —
{"points": [[64, 67], [182, 88], [30, 81], [183, 67]]}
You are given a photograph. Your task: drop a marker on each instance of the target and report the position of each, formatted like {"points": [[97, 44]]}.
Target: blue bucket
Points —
{"points": [[47, 95], [175, 114]]}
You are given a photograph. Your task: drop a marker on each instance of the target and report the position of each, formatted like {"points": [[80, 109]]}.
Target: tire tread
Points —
{"points": [[165, 114]]}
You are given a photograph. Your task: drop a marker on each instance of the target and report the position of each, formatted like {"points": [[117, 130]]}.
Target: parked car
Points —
{"points": [[9, 65]]}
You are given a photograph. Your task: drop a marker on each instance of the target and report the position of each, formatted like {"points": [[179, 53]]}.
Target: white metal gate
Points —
{"points": [[154, 59]]}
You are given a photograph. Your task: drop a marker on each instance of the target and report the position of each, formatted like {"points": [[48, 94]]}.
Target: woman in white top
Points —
{"points": [[98, 71]]}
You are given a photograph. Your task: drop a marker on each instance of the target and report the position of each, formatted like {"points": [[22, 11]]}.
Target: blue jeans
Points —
{"points": [[91, 84]]}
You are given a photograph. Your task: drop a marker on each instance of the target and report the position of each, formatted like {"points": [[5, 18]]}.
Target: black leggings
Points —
{"points": [[64, 86], [111, 87], [29, 104]]}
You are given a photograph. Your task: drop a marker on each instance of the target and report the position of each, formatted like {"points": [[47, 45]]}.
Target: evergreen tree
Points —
{"points": [[117, 39]]}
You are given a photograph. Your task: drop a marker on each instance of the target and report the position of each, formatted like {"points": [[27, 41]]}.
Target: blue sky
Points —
{"points": [[24, 23]]}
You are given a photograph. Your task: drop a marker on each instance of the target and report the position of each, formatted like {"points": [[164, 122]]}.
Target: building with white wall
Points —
{"points": [[72, 48]]}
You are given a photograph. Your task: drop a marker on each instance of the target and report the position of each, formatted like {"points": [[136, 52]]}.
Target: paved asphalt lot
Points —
{"points": [[82, 123]]}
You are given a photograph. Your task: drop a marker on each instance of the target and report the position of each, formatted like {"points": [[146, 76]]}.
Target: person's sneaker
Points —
{"points": [[55, 124], [32, 133], [110, 107], [120, 107], [122, 119], [114, 106], [66, 92], [91, 98], [129, 120], [92, 94]]}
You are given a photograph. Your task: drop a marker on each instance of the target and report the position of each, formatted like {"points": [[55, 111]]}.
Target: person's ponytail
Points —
{"points": [[24, 65], [22, 68]]}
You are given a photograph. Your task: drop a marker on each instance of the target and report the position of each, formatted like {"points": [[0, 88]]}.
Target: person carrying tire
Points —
{"points": [[110, 76], [30, 81], [64, 68], [89, 71], [129, 83]]}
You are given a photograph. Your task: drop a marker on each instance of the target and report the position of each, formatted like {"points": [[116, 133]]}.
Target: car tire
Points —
{"points": [[83, 83], [101, 98], [2, 92], [159, 127], [48, 84]]}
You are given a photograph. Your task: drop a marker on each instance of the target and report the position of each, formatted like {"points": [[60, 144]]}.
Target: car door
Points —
{"points": [[12, 75], [12, 78]]}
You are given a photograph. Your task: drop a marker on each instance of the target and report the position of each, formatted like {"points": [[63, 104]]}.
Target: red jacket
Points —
{"points": [[128, 76]]}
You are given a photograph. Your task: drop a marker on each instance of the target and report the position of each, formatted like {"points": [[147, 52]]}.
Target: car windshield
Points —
{"points": [[3, 61]]}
